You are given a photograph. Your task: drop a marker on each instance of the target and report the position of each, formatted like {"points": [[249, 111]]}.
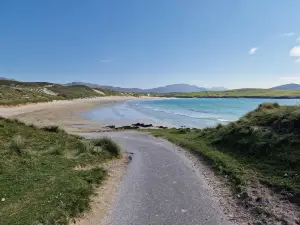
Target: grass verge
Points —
{"points": [[261, 146], [39, 182]]}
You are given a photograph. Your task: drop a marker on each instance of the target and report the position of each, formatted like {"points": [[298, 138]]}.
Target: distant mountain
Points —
{"points": [[137, 90], [291, 86], [91, 85], [179, 88], [4, 78]]}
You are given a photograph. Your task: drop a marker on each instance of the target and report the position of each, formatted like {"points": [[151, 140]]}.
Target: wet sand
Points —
{"points": [[66, 114]]}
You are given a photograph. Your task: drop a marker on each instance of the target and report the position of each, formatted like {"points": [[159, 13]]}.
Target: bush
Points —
{"points": [[267, 105], [219, 126]]}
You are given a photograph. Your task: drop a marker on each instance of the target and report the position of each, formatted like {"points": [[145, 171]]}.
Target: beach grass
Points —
{"points": [[16, 93], [46, 175], [75, 91]]}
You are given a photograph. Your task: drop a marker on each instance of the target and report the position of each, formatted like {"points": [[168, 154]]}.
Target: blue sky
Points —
{"points": [[149, 43]]}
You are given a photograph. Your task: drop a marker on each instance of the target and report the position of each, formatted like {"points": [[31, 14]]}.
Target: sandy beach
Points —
{"points": [[65, 114]]}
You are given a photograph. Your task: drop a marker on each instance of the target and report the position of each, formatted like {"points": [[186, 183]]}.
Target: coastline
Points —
{"points": [[254, 97], [65, 114]]}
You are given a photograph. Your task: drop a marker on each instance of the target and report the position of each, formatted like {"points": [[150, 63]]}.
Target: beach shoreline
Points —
{"points": [[65, 114]]}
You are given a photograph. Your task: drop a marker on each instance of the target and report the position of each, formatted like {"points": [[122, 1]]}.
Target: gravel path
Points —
{"points": [[160, 186]]}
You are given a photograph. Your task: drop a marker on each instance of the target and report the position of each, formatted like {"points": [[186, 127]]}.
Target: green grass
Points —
{"points": [[15, 96], [245, 92], [109, 92], [40, 182], [262, 146], [222, 162], [72, 92], [16, 92]]}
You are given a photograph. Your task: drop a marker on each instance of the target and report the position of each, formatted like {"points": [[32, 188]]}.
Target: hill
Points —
{"points": [[39, 182], [245, 92], [178, 88], [16, 92], [291, 86], [173, 88], [119, 89]]}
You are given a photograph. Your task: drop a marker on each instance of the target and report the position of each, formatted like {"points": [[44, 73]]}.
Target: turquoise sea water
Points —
{"points": [[193, 112]]}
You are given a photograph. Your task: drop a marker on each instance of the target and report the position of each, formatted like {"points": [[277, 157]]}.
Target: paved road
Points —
{"points": [[160, 187]]}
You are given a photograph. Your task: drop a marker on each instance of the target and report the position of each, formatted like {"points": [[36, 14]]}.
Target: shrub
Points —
{"points": [[219, 126], [268, 105]]}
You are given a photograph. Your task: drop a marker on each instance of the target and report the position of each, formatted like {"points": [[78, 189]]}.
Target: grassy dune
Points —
{"points": [[245, 92], [261, 146], [15, 92], [15, 96], [46, 175], [71, 92]]}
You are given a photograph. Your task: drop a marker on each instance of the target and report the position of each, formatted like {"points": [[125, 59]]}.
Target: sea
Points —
{"points": [[182, 112]]}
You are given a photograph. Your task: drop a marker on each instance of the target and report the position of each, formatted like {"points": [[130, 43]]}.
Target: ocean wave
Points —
{"points": [[208, 111], [202, 117], [223, 120]]}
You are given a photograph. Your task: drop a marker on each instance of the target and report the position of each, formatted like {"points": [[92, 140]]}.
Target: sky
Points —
{"points": [[150, 43]]}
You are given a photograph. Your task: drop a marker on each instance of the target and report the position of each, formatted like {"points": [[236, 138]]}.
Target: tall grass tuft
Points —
{"points": [[17, 144], [108, 145], [56, 149], [85, 146]]}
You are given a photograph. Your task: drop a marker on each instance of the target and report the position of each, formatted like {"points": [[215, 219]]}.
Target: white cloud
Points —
{"points": [[295, 51], [288, 34], [105, 60], [253, 51]]}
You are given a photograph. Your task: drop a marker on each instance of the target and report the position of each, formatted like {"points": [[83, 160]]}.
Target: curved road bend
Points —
{"points": [[160, 187]]}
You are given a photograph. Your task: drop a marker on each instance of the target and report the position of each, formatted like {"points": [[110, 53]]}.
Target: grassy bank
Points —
{"points": [[46, 175], [72, 92], [15, 96], [261, 146], [245, 92], [16, 92]]}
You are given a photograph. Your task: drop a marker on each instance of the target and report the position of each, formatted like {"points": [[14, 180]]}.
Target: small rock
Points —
{"points": [[2, 199], [285, 175]]}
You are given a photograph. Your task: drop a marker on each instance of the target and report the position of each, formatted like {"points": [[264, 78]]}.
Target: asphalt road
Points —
{"points": [[160, 186]]}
